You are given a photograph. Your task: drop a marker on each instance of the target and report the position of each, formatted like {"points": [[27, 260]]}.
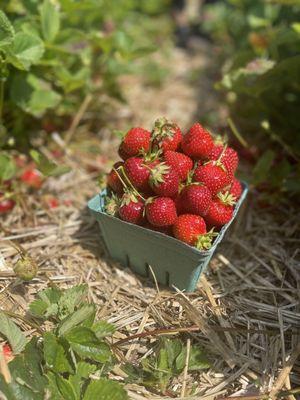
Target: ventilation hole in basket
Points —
{"points": [[167, 278], [127, 261], [147, 270]]}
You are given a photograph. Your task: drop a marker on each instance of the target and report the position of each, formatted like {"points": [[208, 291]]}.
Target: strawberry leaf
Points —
{"points": [[12, 333]]}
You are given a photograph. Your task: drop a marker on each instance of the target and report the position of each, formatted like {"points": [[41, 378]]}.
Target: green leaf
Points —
{"points": [[7, 32], [28, 381], [70, 299], [33, 95], [197, 360], [7, 167], [103, 329], [76, 318], [26, 50], [46, 305], [66, 389], [105, 389], [46, 166], [54, 354], [50, 20], [85, 369], [13, 333], [86, 344]]}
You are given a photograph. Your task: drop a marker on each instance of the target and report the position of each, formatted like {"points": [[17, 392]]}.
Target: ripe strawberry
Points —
{"points": [[181, 163], [161, 211], [138, 172], [235, 189], [221, 210], [229, 158], [191, 229], [7, 352], [52, 202], [132, 209], [164, 180], [179, 203], [135, 140], [197, 143], [196, 199], [32, 177], [166, 135], [213, 176], [6, 205], [122, 153], [113, 180]]}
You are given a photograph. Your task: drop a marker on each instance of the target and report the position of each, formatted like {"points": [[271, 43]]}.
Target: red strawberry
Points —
{"points": [[113, 180], [138, 172], [166, 135], [229, 158], [52, 202], [221, 211], [161, 211], [122, 153], [181, 163], [32, 177], [7, 352], [164, 180], [235, 189], [132, 209], [213, 176], [135, 140], [6, 205], [191, 229], [196, 199], [197, 143]]}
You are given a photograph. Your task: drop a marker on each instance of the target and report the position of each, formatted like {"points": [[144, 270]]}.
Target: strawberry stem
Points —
{"points": [[128, 181]]}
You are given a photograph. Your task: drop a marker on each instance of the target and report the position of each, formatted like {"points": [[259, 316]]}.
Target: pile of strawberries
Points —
{"points": [[180, 185]]}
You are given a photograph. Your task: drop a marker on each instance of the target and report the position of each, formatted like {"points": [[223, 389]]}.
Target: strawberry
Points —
{"points": [[113, 180], [191, 229], [52, 202], [6, 205], [122, 153], [138, 172], [212, 175], [197, 143], [161, 211], [220, 211], [112, 205], [164, 180], [235, 189], [181, 163], [227, 156], [136, 140], [132, 209], [196, 199], [32, 177], [166, 135], [7, 352]]}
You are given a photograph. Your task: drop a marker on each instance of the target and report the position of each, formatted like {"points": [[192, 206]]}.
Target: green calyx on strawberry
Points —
{"points": [[112, 205], [166, 135], [204, 241], [221, 210], [164, 180], [226, 198]]}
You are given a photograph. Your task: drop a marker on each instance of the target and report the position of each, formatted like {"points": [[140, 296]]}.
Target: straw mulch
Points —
{"points": [[245, 312]]}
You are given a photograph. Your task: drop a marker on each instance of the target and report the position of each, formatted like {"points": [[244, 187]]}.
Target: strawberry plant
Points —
{"points": [[259, 43], [55, 53]]}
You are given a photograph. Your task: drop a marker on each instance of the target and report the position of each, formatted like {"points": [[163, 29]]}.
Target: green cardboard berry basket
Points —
{"points": [[174, 263]]}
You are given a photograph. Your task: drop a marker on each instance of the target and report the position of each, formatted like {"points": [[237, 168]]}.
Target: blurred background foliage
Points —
{"points": [[54, 53], [259, 61]]}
